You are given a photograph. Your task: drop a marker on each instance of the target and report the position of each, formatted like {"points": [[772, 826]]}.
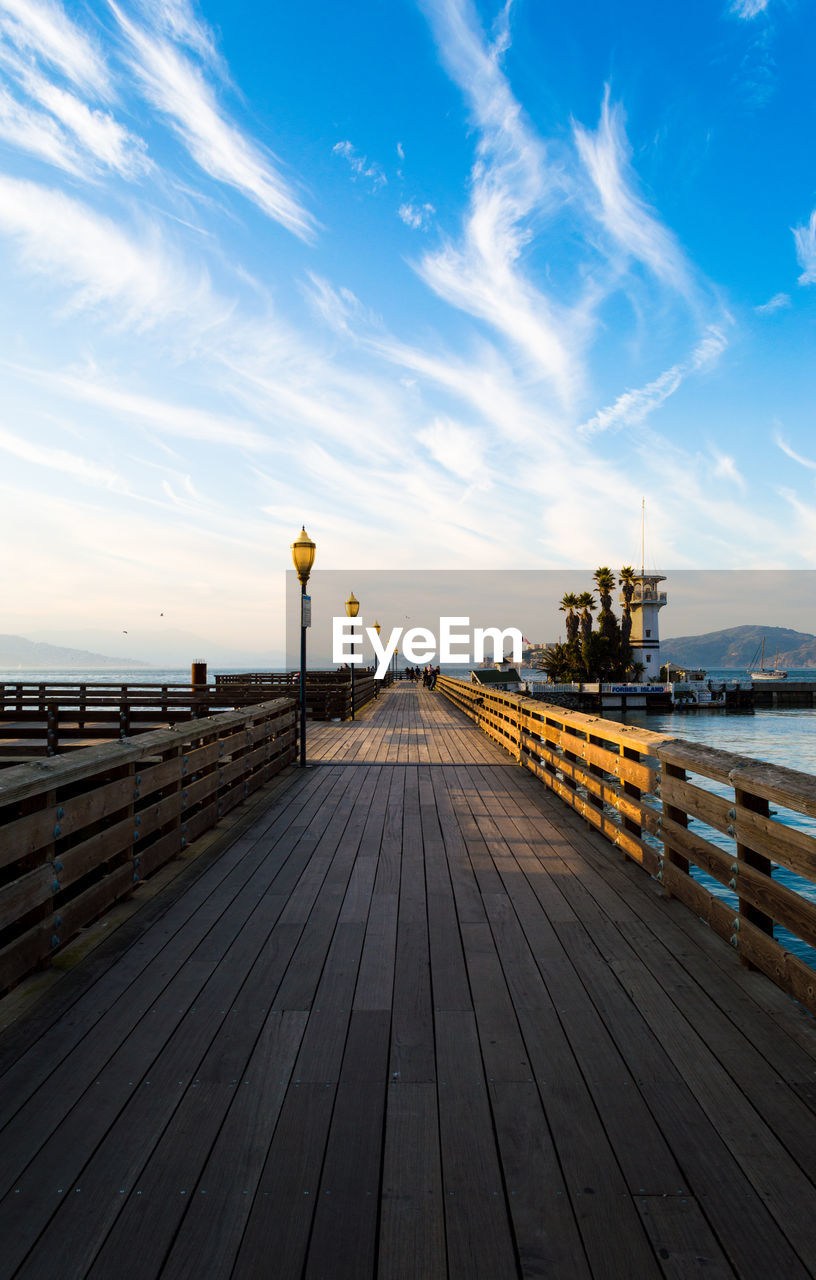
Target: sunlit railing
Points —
{"points": [[697, 819]]}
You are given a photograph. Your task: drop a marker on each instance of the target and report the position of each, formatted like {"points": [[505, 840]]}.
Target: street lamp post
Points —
{"points": [[303, 554], [352, 609]]}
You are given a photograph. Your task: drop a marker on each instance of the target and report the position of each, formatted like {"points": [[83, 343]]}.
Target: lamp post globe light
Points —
{"points": [[352, 609], [303, 554]]}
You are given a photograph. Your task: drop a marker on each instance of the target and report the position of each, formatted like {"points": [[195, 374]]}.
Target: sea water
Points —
{"points": [[777, 735]]}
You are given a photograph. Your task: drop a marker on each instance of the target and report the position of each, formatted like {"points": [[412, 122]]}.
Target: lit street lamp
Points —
{"points": [[303, 554], [352, 609]]}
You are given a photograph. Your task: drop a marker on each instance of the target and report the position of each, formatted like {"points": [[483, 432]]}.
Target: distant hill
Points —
{"points": [[164, 647], [16, 651], [740, 646]]}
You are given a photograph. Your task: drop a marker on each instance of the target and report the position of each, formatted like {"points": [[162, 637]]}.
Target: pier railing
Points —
{"points": [[697, 819], [39, 718], [77, 833], [328, 693], [47, 718], [84, 696]]}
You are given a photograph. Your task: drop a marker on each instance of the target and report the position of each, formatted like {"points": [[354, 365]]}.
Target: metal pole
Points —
{"points": [[302, 681], [352, 690]]}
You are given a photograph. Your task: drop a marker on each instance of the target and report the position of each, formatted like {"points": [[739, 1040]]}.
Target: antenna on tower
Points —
{"points": [[643, 536]]}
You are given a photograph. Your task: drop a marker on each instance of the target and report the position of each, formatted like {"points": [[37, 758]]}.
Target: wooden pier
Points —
{"points": [[39, 719], [414, 1016]]}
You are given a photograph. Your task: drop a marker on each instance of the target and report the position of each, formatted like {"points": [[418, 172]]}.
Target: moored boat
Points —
{"points": [[768, 673]]}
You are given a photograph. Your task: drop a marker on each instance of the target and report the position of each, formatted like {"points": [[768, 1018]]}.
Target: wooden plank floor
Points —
{"points": [[416, 1021]]}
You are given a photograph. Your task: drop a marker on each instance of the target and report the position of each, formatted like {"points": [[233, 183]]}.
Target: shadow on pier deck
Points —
{"points": [[416, 1020]]}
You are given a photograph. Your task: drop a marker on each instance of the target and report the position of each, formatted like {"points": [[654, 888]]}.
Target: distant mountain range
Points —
{"points": [[164, 649], [740, 647], [16, 651]]}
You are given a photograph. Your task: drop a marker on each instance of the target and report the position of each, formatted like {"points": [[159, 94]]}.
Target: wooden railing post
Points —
{"points": [[676, 862], [754, 804], [124, 720], [52, 729], [574, 759], [636, 793], [597, 772]]}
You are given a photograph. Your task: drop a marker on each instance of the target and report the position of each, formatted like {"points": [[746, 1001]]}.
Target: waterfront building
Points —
{"points": [[506, 679]]}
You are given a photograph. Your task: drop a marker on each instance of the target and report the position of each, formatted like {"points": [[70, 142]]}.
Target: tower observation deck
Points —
{"points": [[645, 605]]}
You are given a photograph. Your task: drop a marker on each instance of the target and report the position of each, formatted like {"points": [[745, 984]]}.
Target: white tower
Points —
{"points": [[645, 604], [645, 638]]}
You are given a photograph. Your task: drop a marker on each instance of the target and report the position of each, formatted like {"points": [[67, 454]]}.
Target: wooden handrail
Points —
{"points": [[78, 832], [660, 800], [47, 718]]}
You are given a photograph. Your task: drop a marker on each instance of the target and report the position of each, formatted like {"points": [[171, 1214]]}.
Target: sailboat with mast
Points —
{"points": [[768, 673]]}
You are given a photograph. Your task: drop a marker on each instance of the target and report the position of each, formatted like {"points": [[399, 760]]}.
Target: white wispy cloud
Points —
{"points": [[748, 8], [177, 88], [42, 27], [178, 20], [189, 500], [512, 183], [520, 182], [99, 263], [725, 468], [805, 241], [777, 303], [791, 453], [73, 135], [606, 154], [103, 137], [72, 464], [38, 134], [633, 407], [360, 166], [457, 448], [416, 216], [336, 306], [162, 416], [485, 384]]}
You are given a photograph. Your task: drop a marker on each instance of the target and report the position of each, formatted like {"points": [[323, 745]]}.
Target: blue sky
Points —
{"points": [[455, 284]]}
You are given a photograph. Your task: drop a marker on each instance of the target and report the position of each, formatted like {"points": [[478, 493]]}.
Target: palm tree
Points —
{"points": [[604, 580], [586, 603], [626, 578], [557, 662], [609, 656], [569, 603]]}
